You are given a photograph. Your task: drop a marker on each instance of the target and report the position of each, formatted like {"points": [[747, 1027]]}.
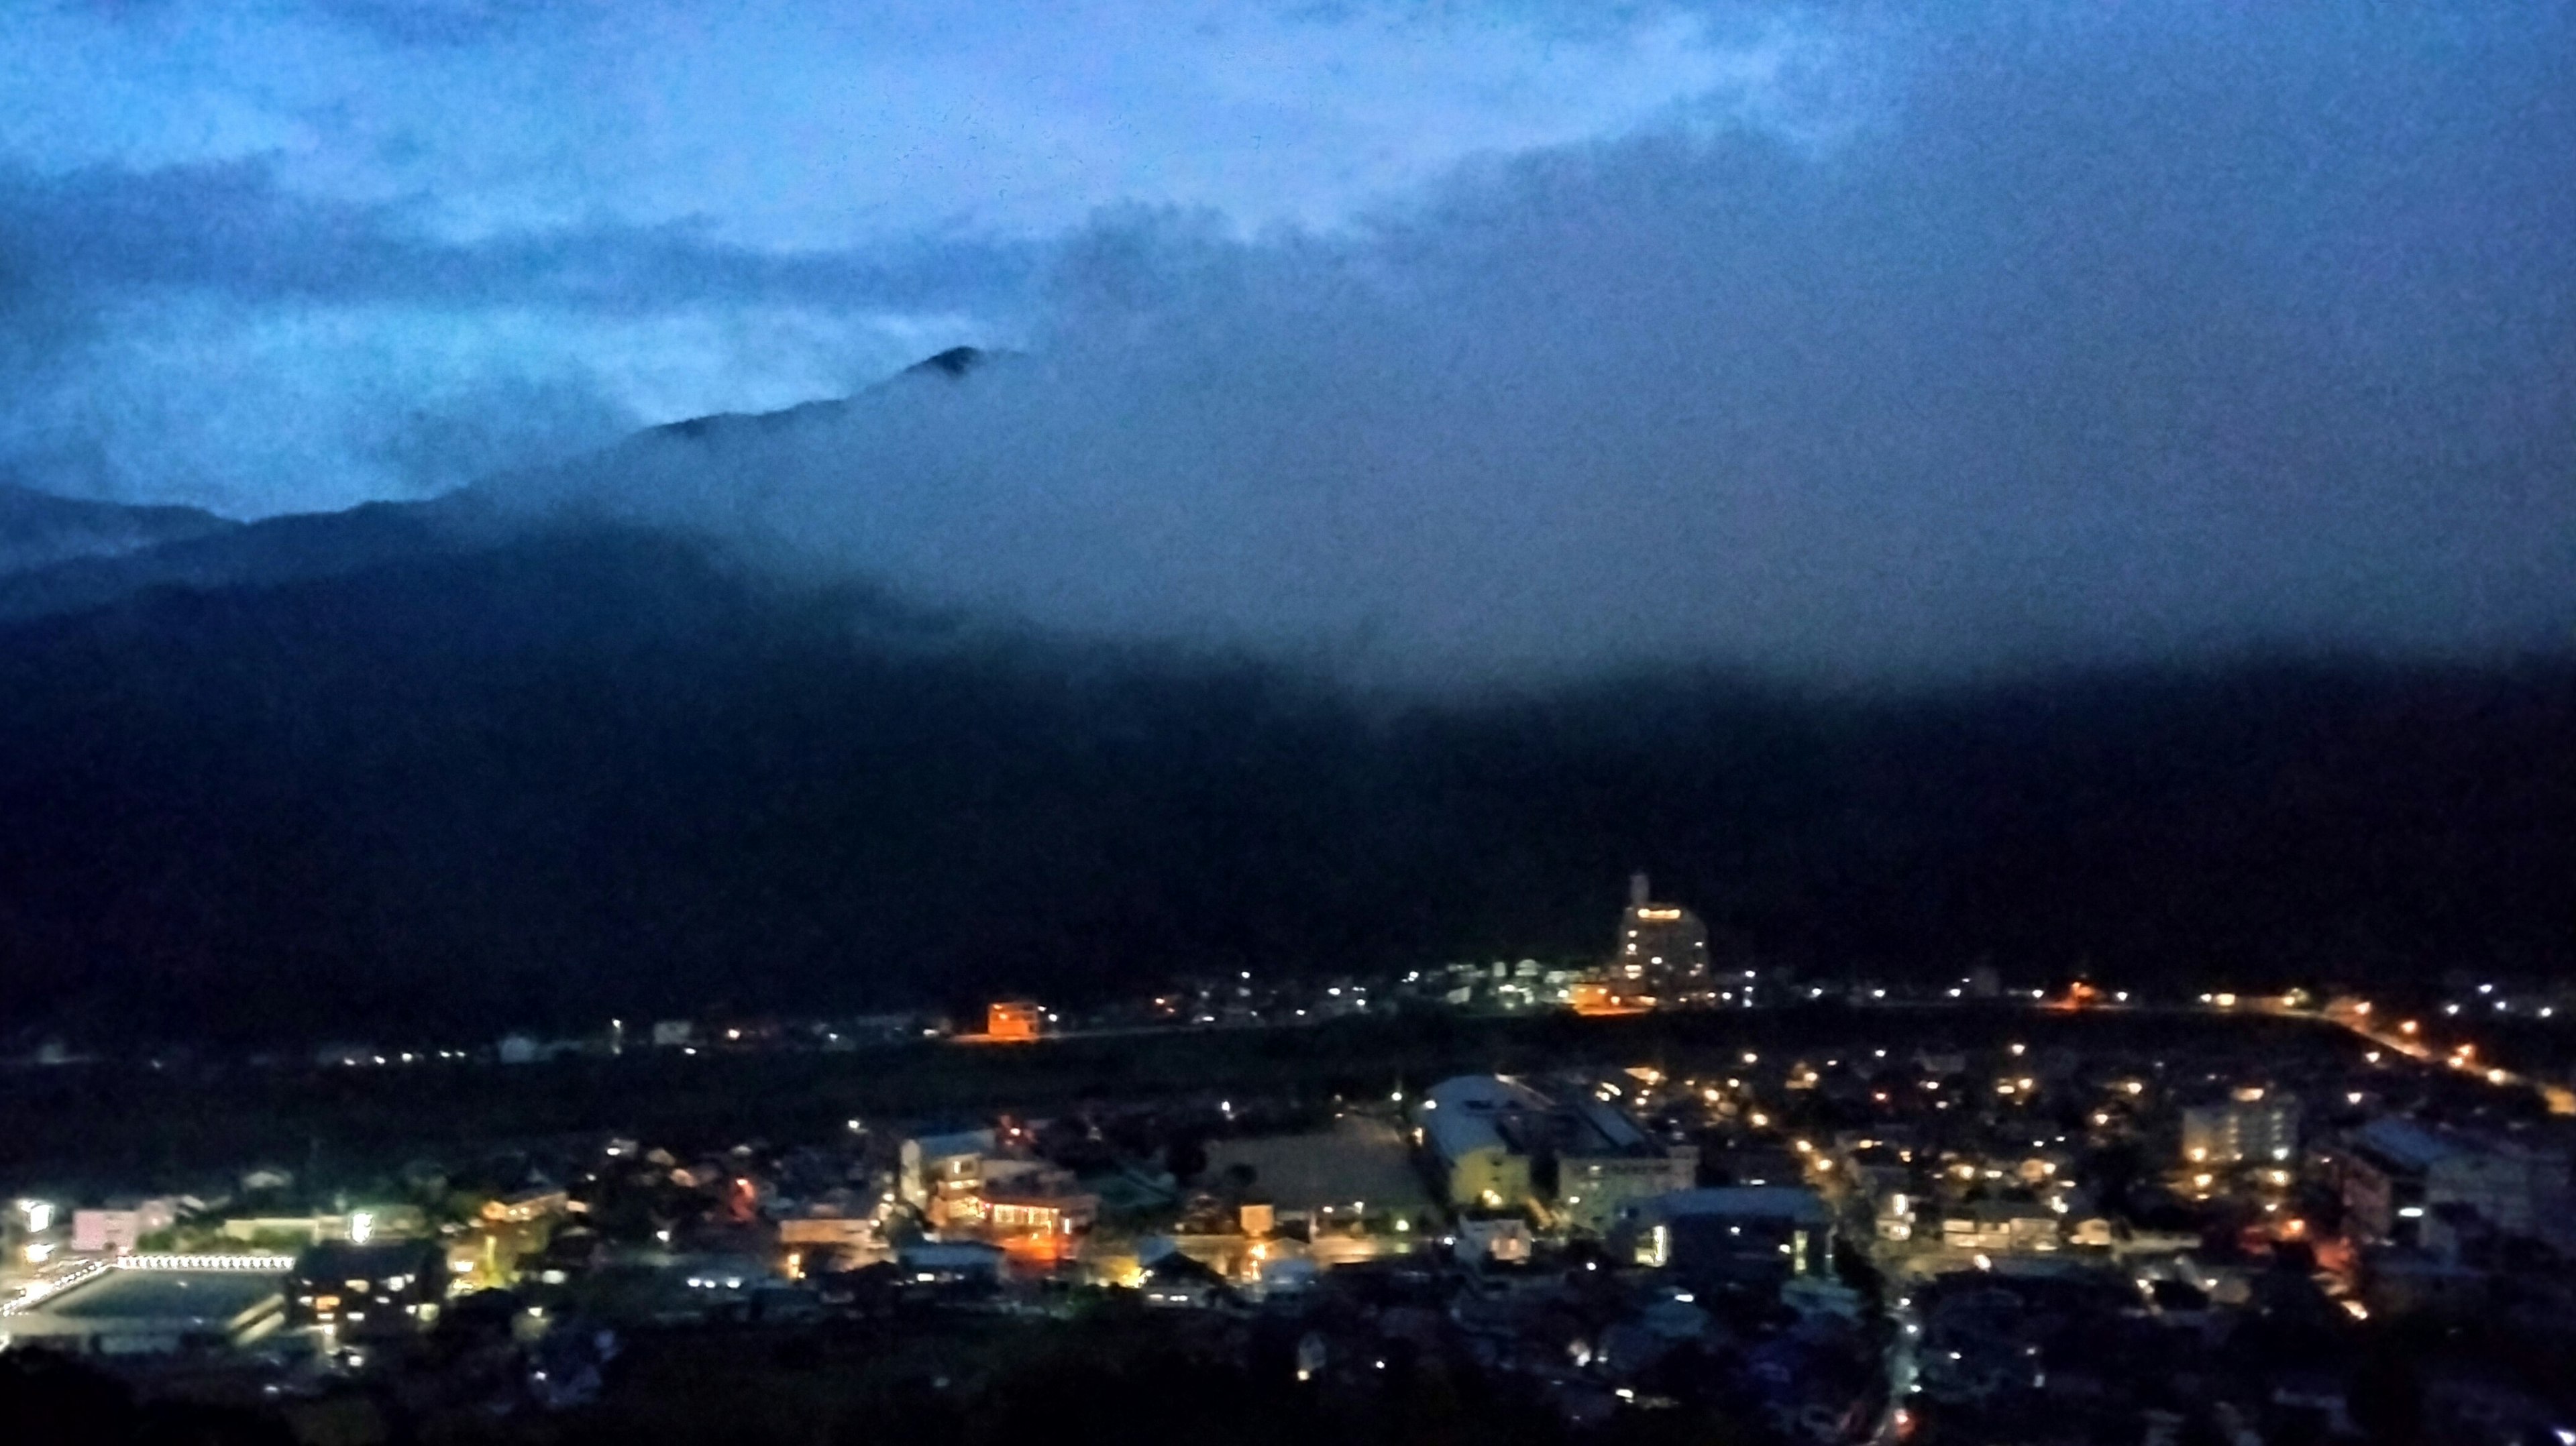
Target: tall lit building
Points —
{"points": [[2255, 1125], [1662, 949]]}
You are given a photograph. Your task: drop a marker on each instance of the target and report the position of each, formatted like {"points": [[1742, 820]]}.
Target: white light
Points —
{"points": [[40, 1215], [361, 1226]]}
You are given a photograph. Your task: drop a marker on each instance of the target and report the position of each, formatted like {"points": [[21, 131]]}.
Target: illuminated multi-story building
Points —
{"points": [[2255, 1126], [1662, 949]]}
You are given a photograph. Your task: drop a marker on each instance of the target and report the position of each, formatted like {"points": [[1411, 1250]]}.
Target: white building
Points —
{"points": [[939, 1170], [1496, 1139], [1662, 948], [2256, 1125]]}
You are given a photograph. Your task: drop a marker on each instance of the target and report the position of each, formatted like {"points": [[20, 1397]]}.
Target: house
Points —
{"points": [[936, 1171], [1737, 1234], [390, 1288], [1175, 1280], [949, 1262]]}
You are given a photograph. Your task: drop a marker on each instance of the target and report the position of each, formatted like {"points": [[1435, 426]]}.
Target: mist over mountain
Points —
{"points": [[576, 767], [40, 530]]}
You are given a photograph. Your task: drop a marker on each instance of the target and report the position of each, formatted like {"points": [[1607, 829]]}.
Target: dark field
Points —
{"points": [[122, 1127]]}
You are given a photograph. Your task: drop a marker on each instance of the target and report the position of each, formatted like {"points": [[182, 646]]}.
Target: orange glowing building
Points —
{"points": [[1014, 1021]]}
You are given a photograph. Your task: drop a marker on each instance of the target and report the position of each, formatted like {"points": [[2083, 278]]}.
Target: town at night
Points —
{"points": [[1522, 723]]}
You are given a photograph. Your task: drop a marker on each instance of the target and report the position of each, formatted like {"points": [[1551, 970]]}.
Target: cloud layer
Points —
{"points": [[1852, 343], [2105, 343]]}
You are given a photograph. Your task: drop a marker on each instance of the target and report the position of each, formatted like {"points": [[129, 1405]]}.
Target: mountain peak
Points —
{"points": [[957, 361]]}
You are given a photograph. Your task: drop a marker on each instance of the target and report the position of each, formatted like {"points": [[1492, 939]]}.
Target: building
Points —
{"points": [[1023, 1201], [120, 1228], [1605, 1161], [1471, 1127], [953, 1262], [1014, 1021], [384, 1289], [1501, 1144], [937, 1171], [1032, 1215], [1734, 1235], [2001, 1226], [528, 1204], [1660, 948], [378, 1222], [2255, 1125], [2397, 1170]]}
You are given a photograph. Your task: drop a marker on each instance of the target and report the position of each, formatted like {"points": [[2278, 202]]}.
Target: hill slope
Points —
{"points": [[597, 770], [38, 529]]}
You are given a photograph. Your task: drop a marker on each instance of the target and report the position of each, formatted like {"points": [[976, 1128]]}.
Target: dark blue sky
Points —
{"points": [[1853, 337]]}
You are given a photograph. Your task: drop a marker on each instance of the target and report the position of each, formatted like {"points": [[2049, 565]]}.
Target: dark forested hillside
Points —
{"points": [[599, 772]]}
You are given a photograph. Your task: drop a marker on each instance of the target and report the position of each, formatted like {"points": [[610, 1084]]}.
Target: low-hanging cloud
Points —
{"points": [[2105, 340]]}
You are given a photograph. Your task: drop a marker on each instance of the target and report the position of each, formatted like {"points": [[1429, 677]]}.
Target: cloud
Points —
{"points": [[669, 208], [1851, 341], [202, 334], [2111, 341]]}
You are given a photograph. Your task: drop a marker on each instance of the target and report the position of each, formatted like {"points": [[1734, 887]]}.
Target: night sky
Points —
{"points": [[1484, 341]]}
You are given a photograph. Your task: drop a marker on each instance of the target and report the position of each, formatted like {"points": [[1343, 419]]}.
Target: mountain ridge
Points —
{"points": [[40, 529]]}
